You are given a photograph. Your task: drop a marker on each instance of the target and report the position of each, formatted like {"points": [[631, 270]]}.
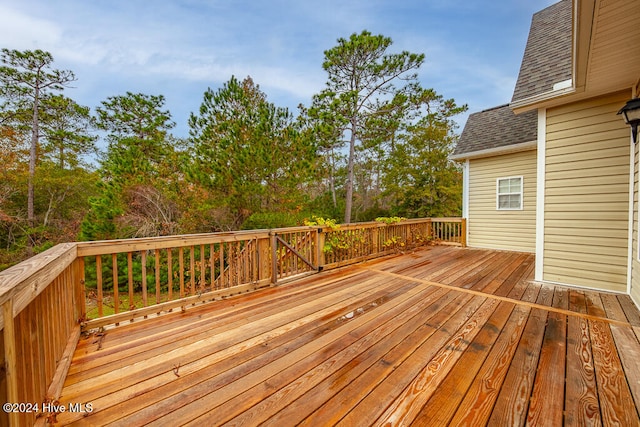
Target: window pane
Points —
{"points": [[515, 185], [510, 201], [503, 185]]}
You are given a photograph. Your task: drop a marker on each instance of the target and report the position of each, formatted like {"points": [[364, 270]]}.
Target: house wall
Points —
{"points": [[586, 223], [494, 229]]}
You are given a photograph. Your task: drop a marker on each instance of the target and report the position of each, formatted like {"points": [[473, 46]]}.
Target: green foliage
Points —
{"points": [[337, 241], [62, 194], [22, 72], [267, 220], [323, 222], [420, 179], [139, 171], [100, 221], [66, 129], [333, 241], [248, 152], [60, 204], [137, 116], [390, 220], [395, 242]]}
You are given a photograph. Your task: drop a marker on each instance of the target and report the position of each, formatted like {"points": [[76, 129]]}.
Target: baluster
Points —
{"points": [[116, 296], [143, 269], [192, 270], [181, 268], [130, 278], [203, 281], [157, 273], [99, 285], [169, 274]]}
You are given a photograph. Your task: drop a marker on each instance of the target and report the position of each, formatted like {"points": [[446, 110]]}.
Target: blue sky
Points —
{"points": [[179, 48]]}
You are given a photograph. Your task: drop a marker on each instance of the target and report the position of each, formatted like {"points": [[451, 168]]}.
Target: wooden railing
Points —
{"points": [[48, 300], [128, 279], [42, 309]]}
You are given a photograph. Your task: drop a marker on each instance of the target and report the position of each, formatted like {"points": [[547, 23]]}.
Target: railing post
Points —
{"points": [[263, 259], [463, 236], [274, 257], [375, 244], [320, 248], [10, 358], [429, 230], [82, 296]]}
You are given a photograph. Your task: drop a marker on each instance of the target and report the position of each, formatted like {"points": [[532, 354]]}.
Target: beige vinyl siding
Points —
{"points": [[502, 229], [613, 53], [587, 194]]}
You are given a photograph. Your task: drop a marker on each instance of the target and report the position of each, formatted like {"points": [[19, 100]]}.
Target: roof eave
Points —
{"points": [[583, 13], [537, 101], [490, 152]]}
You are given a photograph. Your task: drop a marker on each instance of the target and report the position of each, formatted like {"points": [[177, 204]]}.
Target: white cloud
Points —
{"points": [[180, 47], [22, 31]]}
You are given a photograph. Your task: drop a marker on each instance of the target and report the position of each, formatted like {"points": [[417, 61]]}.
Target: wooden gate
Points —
{"points": [[294, 252]]}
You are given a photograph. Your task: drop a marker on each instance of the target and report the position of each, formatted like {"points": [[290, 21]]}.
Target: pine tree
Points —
{"points": [[249, 152], [361, 85]]}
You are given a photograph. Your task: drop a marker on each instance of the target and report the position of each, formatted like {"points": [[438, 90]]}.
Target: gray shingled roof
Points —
{"points": [[495, 128], [546, 61], [547, 57]]}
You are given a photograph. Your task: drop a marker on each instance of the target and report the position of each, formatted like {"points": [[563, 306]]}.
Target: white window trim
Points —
{"points": [[521, 177]]}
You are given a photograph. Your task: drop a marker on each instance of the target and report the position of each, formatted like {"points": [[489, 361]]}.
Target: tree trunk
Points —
{"points": [[45, 222], [32, 160], [349, 184], [332, 180], [33, 152]]}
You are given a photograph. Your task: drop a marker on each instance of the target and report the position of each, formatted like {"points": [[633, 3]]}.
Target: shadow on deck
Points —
{"points": [[440, 335]]}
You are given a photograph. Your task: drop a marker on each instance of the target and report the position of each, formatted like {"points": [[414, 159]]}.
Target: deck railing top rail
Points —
{"points": [[25, 281], [101, 247]]}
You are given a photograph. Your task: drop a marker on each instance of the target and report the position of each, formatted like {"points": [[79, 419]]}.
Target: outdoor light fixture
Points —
{"points": [[631, 114]]}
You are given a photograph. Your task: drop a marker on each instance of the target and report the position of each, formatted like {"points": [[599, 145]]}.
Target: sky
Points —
{"points": [[180, 48]]}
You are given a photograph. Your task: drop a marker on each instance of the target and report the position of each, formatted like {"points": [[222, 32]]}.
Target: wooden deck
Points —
{"points": [[439, 336]]}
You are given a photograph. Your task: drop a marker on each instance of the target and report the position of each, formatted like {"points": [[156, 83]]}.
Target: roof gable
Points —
{"points": [[496, 128], [547, 57]]}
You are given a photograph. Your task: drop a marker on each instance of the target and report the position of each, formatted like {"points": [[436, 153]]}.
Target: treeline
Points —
{"points": [[372, 143]]}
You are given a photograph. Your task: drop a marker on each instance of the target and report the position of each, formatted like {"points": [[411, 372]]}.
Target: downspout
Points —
{"points": [[632, 164], [540, 192]]}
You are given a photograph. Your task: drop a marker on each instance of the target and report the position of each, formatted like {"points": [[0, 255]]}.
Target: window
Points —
{"points": [[509, 191]]}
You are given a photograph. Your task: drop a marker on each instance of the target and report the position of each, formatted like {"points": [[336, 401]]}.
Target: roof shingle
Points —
{"points": [[497, 127], [547, 56]]}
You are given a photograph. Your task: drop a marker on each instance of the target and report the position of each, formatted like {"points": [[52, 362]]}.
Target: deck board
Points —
{"points": [[439, 335], [441, 407]]}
